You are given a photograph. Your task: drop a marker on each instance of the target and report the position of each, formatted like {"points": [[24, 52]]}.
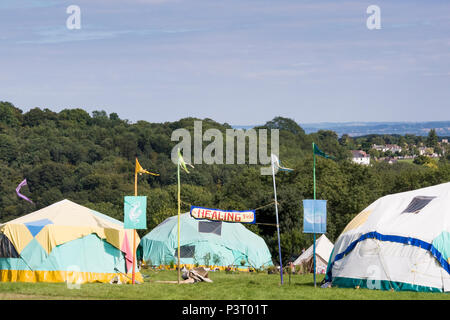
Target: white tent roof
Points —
{"points": [[323, 250], [399, 240]]}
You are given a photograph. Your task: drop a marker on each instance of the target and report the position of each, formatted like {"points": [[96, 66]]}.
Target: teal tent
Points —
{"points": [[206, 243]]}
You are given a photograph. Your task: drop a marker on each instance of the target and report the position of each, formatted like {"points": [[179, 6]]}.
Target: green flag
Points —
{"points": [[321, 153]]}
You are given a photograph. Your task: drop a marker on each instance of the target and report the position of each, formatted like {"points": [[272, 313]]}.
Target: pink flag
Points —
{"points": [[23, 183]]}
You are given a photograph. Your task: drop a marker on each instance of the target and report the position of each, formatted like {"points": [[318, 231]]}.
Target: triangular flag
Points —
{"points": [[182, 163], [277, 163], [141, 170], [321, 153]]}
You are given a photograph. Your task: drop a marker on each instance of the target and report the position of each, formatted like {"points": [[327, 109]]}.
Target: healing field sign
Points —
{"points": [[314, 216], [223, 215]]}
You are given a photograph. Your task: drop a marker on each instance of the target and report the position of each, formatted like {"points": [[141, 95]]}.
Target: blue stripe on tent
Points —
{"points": [[398, 239]]}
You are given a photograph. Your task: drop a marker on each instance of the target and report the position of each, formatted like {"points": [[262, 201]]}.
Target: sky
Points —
{"points": [[241, 62]]}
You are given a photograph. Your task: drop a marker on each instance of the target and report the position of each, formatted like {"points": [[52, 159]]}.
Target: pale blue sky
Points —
{"points": [[237, 61]]}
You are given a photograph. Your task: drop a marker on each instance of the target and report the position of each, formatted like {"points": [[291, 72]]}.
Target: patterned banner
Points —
{"points": [[223, 215], [135, 212]]}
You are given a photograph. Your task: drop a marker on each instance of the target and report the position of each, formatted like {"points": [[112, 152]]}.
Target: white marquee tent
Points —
{"points": [[399, 242]]}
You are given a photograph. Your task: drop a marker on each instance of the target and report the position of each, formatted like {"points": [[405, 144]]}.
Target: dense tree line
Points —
{"points": [[89, 159]]}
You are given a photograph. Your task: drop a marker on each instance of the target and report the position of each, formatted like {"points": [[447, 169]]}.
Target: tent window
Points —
{"points": [[210, 227], [417, 204], [185, 252]]}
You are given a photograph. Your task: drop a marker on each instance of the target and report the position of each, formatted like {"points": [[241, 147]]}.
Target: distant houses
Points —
{"points": [[360, 157], [391, 153], [387, 147], [424, 151], [402, 152]]}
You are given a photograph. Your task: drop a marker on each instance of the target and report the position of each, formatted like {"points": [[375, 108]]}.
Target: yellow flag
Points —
{"points": [[182, 163], [141, 170]]}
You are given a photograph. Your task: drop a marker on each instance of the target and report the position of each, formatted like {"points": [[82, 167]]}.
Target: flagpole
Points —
{"points": [[134, 231], [178, 176], [314, 215], [278, 225]]}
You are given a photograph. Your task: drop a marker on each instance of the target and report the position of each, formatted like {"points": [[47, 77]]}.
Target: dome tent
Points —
{"points": [[204, 243], [65, 242], [400, 242]]}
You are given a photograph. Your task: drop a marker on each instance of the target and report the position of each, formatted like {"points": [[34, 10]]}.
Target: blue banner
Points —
{"points": [[314, 216]]}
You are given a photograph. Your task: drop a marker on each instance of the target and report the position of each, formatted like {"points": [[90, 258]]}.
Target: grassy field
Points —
{"points": [[238, 286], [406, 161]]}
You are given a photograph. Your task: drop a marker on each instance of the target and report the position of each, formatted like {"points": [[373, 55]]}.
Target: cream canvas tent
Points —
{"points": [[324, 247], [401, 242], [65, 242]]}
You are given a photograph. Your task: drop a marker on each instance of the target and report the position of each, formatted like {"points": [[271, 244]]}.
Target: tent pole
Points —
{"points": [[314, 217], [278, 225], [178, 176], [134, 233]]}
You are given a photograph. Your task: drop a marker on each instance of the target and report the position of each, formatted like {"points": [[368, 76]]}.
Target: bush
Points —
{"points": [[272, 270]]}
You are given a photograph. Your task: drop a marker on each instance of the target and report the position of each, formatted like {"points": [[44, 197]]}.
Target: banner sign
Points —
{"points": [[135, 212], [223, 215], [314, 216]]}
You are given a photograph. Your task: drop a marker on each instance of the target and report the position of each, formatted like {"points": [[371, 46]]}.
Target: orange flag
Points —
{"points": [[141, 170]]}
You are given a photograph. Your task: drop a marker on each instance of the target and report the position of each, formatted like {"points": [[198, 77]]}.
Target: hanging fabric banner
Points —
{"points": [[135, 212], [223, 215], [314, 216]]}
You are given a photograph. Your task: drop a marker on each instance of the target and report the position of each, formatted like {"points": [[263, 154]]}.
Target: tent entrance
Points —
{"points": [[7, 249]]}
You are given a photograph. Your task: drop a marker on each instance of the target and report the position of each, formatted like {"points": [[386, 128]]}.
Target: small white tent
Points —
{"points": [[399, 242], [324, 247]]}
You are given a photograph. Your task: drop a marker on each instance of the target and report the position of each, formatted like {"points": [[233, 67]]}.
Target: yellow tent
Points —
{"points": [[65, 241]]}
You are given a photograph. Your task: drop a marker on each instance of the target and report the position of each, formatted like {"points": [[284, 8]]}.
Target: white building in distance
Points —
{"points": [[360, 157]]}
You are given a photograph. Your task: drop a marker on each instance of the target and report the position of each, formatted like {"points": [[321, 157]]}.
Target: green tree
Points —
{"points": [[432, 139], [10, 115]]}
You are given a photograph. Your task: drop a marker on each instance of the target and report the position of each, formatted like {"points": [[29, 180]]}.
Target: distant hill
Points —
{"points": [[355, 129], [364, 128]]}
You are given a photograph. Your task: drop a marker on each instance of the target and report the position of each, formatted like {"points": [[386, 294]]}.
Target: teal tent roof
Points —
{"points": [[225, 243]]}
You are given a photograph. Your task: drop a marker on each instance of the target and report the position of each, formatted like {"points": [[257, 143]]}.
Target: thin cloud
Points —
{"points": [[436, 74], [23, 4], [53, 35]]}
